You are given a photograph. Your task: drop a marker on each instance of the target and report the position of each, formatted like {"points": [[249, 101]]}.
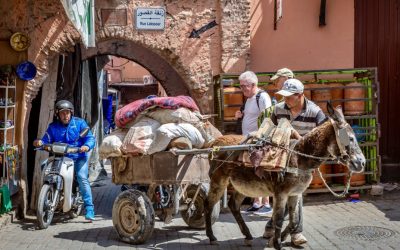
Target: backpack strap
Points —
{"points": [[258, 95]]}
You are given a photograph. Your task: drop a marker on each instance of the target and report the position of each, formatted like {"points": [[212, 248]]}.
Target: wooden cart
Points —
{"points": [[162, 185]]}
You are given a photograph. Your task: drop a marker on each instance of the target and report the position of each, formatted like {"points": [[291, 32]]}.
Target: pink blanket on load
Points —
{"points": [[129, 112]]}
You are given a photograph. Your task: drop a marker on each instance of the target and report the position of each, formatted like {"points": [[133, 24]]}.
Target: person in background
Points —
{"points": [[279, 78], [257, 101], [67, 129], [304, 115], [107, 114]]}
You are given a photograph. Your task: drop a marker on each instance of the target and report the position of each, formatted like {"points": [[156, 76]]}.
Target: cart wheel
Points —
{"points": [[133, 216], [197, 220]]}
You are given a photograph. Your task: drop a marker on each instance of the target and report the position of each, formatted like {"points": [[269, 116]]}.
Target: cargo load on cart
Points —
{"points": [[152, 125]]}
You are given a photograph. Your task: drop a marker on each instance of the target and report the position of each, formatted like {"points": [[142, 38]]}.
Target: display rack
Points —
{"points": [[8, 149], [320, 86]]}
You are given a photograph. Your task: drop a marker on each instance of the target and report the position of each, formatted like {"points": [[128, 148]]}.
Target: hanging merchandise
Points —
{"points": [[26, 70], [5, 204], [3, 173], [20, 42], [11, 158], [6, 74]]}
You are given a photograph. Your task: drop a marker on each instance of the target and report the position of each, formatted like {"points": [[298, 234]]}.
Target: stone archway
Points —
{"points": [[169, 78]]}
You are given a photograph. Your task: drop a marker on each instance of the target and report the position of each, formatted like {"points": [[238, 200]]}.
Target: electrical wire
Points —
{"points": [[119, 65]]}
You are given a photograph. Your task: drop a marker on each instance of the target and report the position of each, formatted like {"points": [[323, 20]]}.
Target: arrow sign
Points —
{"points": [[196, 33]]}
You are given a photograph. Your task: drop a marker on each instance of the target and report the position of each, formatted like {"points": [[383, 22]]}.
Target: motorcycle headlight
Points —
{"points": [[59, 148]]}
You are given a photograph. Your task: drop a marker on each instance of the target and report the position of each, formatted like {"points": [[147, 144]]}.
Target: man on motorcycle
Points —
{"points": [[66, 129]]}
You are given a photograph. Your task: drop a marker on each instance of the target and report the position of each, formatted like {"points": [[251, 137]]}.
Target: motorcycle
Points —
{"points": [[59, 192]]}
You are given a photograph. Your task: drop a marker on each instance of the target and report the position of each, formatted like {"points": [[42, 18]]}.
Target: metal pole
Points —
{"points": [[225, 199], [214, 149]]}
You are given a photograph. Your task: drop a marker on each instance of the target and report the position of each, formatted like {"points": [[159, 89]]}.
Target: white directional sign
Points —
{"points": [[150, 18]]}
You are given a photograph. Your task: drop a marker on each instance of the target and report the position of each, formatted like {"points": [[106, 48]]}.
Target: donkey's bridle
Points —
{"points": [[342, 140]]}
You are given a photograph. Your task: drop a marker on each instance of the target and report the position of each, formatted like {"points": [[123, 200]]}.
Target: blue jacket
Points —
{"points": [[58, 132]]}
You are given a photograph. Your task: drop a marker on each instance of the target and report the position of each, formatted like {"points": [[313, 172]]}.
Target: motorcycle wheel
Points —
{"points": [[44, 213]]}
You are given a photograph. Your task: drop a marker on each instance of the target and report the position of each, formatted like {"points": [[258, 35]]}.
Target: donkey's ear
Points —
{"points": [[339, 113], [335, 113], [339, 109], [331, 110]]}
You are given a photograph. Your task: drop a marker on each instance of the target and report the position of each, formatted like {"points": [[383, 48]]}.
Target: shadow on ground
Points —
{"points": [[173, 237], [31, 224], [111, 238]]}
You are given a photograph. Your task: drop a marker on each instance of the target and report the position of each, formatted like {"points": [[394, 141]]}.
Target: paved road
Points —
{"points": [[324, 215]]}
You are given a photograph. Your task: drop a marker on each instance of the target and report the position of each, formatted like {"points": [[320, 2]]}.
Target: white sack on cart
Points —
{"points": [[184, 115], [111, 144], [180, 115], [140, 136], [165, 133]]}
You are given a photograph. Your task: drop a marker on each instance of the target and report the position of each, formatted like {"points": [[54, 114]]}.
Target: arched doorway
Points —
{"points": [[169, 78]]}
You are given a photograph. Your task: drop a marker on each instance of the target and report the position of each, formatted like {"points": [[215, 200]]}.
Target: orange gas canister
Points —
{"points": [[337, 93], [317, 182], [356, 179], [355, 91], [321, 94], [232, 96]]}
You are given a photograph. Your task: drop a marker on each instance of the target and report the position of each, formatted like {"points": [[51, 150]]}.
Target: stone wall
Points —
{"points": [[223, 48], [235, 43]]}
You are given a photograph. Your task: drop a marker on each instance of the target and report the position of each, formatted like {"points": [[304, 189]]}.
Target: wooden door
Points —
{"points": [[377, 44]]}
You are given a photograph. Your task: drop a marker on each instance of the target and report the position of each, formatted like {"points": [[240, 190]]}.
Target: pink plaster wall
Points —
{"points": [[299, 43], [124, 70]]}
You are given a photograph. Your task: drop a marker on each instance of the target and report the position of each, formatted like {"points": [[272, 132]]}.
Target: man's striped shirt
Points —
{"points": [[310, 116]]}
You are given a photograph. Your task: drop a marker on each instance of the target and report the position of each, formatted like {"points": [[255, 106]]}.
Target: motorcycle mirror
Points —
{"points": [[84, 132]]}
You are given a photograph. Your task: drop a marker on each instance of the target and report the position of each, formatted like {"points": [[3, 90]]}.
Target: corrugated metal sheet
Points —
{"points": [[377, 44]]}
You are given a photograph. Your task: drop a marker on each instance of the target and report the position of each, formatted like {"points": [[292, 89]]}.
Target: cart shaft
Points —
{"points": [[213, 149]]}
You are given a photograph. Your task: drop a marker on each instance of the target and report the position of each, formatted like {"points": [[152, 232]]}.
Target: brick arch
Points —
{"points": [[169, 78]]}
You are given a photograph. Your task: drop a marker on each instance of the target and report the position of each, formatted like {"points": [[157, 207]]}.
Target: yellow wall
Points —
{"points": [[299, 43]]}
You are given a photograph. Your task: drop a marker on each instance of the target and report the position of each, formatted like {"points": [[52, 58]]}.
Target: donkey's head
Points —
{"points": [[346, 147]]}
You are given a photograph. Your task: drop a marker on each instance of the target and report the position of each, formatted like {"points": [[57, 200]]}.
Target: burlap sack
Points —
{"points": [[111, 145], [140, 136], [272, 156]]}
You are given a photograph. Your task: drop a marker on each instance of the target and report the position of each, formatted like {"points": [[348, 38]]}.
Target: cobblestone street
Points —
{"points": [[324, 215]]}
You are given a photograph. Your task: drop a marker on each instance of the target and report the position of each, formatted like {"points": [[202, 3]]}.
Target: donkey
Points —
{"points": [[334, 137]]}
